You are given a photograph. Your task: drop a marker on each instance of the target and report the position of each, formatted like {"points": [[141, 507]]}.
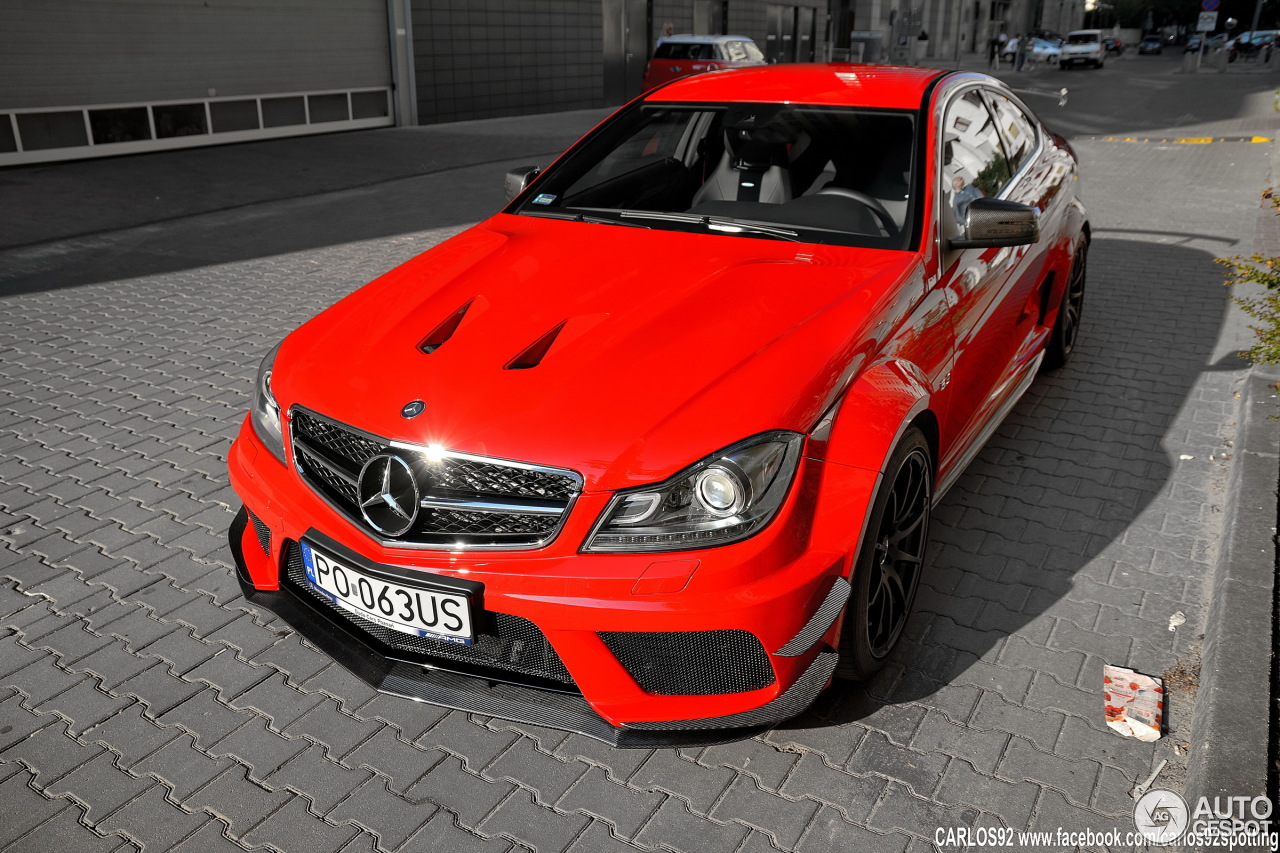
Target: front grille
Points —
{"points": [[503, 642], [692, 663], [467, 501]]}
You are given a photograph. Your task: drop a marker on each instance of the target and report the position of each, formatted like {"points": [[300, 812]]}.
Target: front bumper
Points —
{"points": [[783, 586]]}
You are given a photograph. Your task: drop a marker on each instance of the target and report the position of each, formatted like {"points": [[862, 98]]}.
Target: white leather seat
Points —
{"points": [[753, 171]]}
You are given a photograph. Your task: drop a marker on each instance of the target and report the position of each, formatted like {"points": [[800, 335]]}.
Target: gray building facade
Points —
{"points": [[488, 58], [85, 78]]}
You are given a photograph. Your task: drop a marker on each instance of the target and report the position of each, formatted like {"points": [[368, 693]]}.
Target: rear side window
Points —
{"points": [[974, 164], [683, 50], [1016, 130]]}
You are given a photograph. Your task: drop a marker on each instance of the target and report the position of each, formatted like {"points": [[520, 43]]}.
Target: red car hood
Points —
{"points": [[670, 345]]}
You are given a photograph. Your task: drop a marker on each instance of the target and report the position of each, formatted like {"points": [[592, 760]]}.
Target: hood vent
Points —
{"points": [[536, 351], [445, 330]]}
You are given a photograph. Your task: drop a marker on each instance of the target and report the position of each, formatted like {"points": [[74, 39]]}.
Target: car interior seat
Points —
{"points": [[890, 183], [751, 169]]}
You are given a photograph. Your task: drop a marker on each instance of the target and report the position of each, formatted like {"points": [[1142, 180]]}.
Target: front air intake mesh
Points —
{"points": [[502, 642], [262, 531], [692, 663]]}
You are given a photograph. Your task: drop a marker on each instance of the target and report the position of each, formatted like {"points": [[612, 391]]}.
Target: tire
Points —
{"points": [[1066, 328], [884, 585], [1099, 63]]}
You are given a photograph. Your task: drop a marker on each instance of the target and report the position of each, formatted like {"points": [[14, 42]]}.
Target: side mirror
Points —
{"points": [[518, 179], [993, 223]]}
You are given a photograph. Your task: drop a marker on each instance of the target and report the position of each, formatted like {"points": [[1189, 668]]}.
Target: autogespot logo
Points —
{"points": [[1161, 816], [388, 494]]}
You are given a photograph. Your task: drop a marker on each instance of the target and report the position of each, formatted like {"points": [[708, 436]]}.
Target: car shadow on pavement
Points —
{"points": [[1085, 523], [414, 213]]}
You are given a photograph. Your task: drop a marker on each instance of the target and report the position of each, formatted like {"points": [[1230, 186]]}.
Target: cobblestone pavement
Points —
{"points": [[145, 704]]}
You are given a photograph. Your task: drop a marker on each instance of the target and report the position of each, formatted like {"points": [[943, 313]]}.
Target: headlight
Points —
{"points": [[265, 413], [725, 498]]}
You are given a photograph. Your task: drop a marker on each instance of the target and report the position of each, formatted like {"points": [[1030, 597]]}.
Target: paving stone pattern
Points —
{"points": [[144, 704]]}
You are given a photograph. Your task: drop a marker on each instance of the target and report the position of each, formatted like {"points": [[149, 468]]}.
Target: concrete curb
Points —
{"points": [[1229, 729]]}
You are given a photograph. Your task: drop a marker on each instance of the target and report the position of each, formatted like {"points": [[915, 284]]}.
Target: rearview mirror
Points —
{"points": [[992, 223], [518, 179]]}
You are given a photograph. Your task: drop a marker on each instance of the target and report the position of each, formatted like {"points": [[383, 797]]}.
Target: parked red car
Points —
{"points": [[683, 55], [655, 448]]}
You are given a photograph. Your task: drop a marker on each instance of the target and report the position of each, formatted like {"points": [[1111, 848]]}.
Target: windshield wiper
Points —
{"points": [[580, 217], [722, 224]]}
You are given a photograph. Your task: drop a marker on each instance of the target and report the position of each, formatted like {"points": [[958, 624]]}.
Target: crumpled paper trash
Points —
{"points": [[1134, 703]]}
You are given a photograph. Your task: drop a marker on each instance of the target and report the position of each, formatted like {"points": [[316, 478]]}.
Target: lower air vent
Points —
{"points": [[692, 663], [263, 532]]}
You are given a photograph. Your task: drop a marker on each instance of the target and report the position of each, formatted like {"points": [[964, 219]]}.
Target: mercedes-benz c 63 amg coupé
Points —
{"points": [[654, 449]]}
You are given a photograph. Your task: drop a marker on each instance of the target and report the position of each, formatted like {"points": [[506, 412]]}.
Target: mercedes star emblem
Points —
{"points": [[413, 409], [388, 494]]}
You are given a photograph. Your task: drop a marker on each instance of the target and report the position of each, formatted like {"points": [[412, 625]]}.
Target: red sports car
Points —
{"points": [[655, 448]]}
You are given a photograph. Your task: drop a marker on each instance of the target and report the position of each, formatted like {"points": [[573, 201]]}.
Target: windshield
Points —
{"points": [[774, 171], [1082, 38]]}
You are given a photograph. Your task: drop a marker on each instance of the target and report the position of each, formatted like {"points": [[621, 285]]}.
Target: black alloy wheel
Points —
{"points": [[1066, 329], [887, 570]]}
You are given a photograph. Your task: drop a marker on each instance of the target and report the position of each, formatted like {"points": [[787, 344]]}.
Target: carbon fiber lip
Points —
{"points": [[469, 693], [820, 622]]}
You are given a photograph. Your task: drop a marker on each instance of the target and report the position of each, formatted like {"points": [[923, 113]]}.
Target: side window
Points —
{"points": [[735, 51], [974, 164], [1016, 130]]}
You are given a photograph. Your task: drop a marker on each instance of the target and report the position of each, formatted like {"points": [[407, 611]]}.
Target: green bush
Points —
{"points": [[1264, 309]]}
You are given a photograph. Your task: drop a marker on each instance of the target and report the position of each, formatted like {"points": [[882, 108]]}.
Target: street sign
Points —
{"points": [[1210, 5], [1208, 21]]}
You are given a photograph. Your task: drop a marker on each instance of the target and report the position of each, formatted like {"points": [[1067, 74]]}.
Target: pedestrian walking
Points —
{"points": [[993, 53], [1020, 52]]}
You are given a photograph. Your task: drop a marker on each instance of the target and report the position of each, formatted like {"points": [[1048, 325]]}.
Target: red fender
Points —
{"points": [[855, 439]]}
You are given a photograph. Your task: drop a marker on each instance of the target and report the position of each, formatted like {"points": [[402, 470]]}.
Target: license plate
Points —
{"points": [[415, 610]]}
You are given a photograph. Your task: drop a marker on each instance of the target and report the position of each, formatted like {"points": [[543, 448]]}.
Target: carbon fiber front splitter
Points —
{"points": [[514, 702]]}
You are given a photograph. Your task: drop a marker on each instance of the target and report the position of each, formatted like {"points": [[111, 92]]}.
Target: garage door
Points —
{"points": [[96, 77]]}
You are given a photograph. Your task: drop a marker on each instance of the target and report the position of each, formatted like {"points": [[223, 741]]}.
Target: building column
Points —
{"points": [[404, 94]]}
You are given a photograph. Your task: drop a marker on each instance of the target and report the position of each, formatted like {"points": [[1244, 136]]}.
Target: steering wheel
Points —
{"points": [[868, 201]]}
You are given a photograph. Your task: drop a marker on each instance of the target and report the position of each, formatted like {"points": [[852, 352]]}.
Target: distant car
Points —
{"points": [[1083, 47], [1151, 44], [1045, 51], [1250, 44], [1113, 46], [683, 55]]}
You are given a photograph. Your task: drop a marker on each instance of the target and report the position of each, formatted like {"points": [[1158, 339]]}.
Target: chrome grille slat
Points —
{"points": [[510, 507], [468, 501]]}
